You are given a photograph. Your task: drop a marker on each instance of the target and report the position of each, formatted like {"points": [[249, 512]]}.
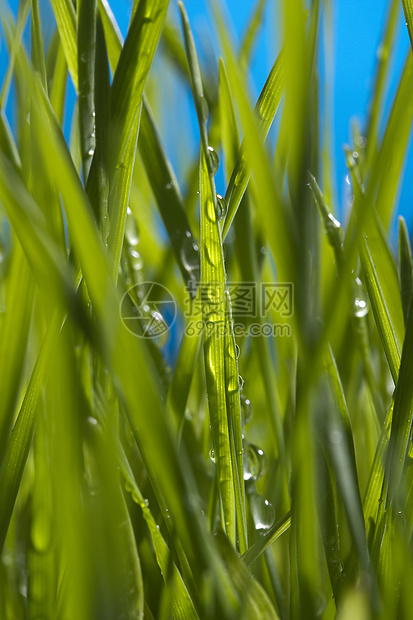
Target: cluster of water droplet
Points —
{"points": [[219, 210], [132, 263], [190, 257], [360, 302]]}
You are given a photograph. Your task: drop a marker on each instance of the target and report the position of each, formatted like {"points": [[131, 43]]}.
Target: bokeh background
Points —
{"points": [[357, 27]]}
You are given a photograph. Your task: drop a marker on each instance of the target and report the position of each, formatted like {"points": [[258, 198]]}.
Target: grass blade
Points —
{"points": [[405, 268]]}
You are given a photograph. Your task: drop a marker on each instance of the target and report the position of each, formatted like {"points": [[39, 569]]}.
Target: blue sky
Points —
{"points": [[358, 26]]}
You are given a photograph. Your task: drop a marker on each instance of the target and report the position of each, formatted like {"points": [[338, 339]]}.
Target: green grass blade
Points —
{"points": [[18, 448], [124, 354], [168, 198], [59, 83], [86, 50], [269, 201], [22, 15], [183, 607], [405, 268], [66, 22], [265, 111], [387, 171], [408, 13], [38, 59], [256, 603], [201, 104], [133, 68], [159, 170], [401, 423], [14, 332], [251, 32], [213, 315], [383, 68], [268, 539], [7, 143], [381, 312]]}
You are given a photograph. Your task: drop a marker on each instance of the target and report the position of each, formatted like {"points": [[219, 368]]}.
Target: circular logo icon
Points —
{"points": [[148, 310]]}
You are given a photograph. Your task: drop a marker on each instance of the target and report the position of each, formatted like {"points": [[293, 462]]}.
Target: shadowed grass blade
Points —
{"points": [[18, 448], [86, 49]]}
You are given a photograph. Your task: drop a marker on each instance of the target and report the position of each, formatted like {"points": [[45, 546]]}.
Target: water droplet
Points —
{"points": [[40, 532], [190, 256], [170, 185], [246, 409], [91, 152], [156, 327], [135, 497], [255, 462], [241, 383], [237, 351], [222, 207], [128, 487], [211, 213], [212, 455], [131, 229], [262, 511], [136, 260], [213, 160], [212, 259], [360, 304], [336, 437]]}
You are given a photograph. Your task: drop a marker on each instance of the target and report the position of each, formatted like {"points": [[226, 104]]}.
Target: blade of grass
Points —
{"points": [[86, 51], [405, 268], [265, 111], [38, 59], [18, 447], [268, 539]]}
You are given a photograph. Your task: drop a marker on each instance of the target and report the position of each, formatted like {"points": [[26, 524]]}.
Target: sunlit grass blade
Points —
{"points": [[184, 370], [59, 82], [268, 539], [169, 199], [38, 59], [388, 166], [124, 354], [22, 15], [213, 316], [251, 32], [279, 234], [132, 70], [383, 69], [65, 15], [405, 268], [265, 111], [182, 604], [160, 173], [213, 299], [385, 322], [380, 311], [235, 425], [408, 13]]}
